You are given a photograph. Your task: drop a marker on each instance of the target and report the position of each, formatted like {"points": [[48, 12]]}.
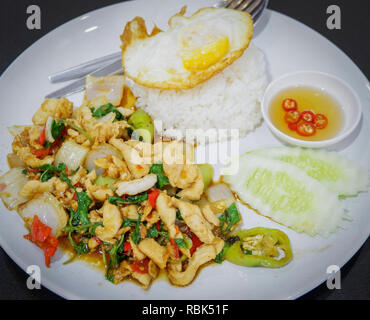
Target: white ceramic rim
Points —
{"points": [[312, 144]]}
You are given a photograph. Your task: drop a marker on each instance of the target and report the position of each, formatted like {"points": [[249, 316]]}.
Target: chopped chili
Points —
{"points": [[140, 266]]}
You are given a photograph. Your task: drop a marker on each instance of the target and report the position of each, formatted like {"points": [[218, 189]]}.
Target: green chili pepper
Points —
{"points": [[235, 254]]}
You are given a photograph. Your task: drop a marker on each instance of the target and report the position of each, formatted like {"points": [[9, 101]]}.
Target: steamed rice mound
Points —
{"points": [[229, 100]]}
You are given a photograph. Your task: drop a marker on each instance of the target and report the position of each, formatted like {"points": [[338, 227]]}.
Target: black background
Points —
{"points": [[353, 39]]}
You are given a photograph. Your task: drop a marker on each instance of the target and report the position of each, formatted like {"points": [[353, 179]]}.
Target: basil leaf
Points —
{"points": [[128, 223], [221, 256], [178, 215], [83, 201], [57, 128], [135, 235], [162, 180], [113, 253], [105, 109], [130, 199], [229, 218], [152, 232]]}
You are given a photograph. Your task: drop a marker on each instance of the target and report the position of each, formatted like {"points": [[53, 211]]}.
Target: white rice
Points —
{"points": [[229, 100]]}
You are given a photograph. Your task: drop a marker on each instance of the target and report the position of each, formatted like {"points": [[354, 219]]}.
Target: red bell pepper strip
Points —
{"points": [[152, 197], [41, 236]]}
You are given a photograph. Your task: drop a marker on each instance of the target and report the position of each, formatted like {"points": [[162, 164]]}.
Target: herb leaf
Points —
{"points": [[105, 109], [229, 218], [57, 128], [135, 235], [130, 199], [162, 180]]}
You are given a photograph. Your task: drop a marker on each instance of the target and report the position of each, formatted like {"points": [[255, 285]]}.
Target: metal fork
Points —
{"points": [[112, 64]]}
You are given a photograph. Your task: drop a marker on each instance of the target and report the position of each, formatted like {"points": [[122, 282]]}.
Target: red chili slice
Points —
{"points": [[152, 197], [292, 116], [305, 129], [292, 126], [40, 236], [42, 137], [127, 246], [289, 104], [196, 243], [141, 266], [308, 116], [320, 121]]}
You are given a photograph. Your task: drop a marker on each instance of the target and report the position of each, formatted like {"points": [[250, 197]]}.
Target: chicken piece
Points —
{"points": [[112, 222], [25, 153], [103, 131], [153, 269], [145, 149], [174, 152], [83, 118], [34, 187], [180, 175], [56, 108], [209, 215], [135, 162], [194, 192], [122, 272], [167, 212], [136, 186], [99, 193], [130, 212], [193, 217], [138, 255], [154, 251], [113, 167], [205, 253], [144, 278]]}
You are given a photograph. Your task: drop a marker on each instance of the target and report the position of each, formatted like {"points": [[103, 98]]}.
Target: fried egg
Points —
{"points": [[191, 51]]}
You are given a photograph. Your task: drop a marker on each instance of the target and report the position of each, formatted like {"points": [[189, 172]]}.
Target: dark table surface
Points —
{"points": [[352, 38]]}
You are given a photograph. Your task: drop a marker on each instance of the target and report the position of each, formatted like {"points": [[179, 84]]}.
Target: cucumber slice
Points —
{"points": [[338, 174], [287, 195]]}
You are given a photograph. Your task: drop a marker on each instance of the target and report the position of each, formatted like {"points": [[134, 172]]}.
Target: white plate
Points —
{"points": [[25, 83]]}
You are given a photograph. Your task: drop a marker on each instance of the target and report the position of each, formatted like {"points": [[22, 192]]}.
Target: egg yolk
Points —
{"points": [[207, 55]]}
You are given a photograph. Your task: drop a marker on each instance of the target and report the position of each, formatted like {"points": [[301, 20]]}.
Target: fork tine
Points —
{"points": [[234, 4], [245, 5], [256, 5], [226, 3]]}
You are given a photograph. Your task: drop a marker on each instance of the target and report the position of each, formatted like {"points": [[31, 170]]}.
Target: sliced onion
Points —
{"points": [[220, 197], [110, 86], [71, 154], [11, 183], [100, 152], [218, 191], [49, 211]]}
